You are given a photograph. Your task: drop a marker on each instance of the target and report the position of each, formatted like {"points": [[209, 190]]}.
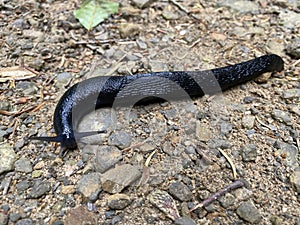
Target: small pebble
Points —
{"points": [[116, 179], [185, 221], [249, 152], [248, 121], [129, 30], [23, 165], [118, 201], [180, 191], [293, 48], [120, 139], [89, 186], [25, 222], [39, 189], [248, 212], [295, 180], [281, 116], [7, 159]]}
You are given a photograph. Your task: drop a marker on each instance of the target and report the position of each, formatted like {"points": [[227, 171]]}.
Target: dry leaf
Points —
{"points": [[15, 73]]}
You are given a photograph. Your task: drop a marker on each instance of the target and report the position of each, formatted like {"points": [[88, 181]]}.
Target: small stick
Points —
{"points": [[206, 202], [177, 4], [6, 186], [133, 146], [230, 162]]}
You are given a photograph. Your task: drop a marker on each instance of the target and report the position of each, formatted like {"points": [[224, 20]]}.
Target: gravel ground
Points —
{"points": [[157, 162]]}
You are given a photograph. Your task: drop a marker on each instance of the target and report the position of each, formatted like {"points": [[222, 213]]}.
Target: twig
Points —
{"points": [[39, 106], [17, 113], [180, 6], [133, 146], [22, 65], [230, 162], [6, 186], [177, 4], [236, 184], [149, 158]]}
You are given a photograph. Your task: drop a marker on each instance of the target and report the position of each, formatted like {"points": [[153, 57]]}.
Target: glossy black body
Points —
{"points": [[104, 91]]}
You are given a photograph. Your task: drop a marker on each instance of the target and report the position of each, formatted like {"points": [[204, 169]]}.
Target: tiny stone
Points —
{"points": [[121, 139], [290, 19], [291, 93], [3, 218], [293, 48], [248, 99], [23, 165], [22, 186], [243, 194], [203, 131], [248, 212], [248, 121], [249, 152], [37, 173], [129, 30], [116, 220], [39, 189], [185, 221], [7, 159], [142, 44], [157, 66], [241, 6], [164, 202], [89, 185], [227, 200], [80, 215], [37, 64], [118, 201], [5, 105], [290, 153], [275, 220], [28, 88], [5, 207], [146, 148], [276, 47], [143, 3], [116, 179], [25, 222], [219, 143], [295, 180], [170, 14], [39, 165], [281, 116], [63, 79], [225, 127], [180, 191], [69, 189], [106, 157], [14, 217], [58, 222], [110, 214]]}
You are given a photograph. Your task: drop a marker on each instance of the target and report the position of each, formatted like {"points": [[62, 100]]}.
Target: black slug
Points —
{"points": [[108, 91]]}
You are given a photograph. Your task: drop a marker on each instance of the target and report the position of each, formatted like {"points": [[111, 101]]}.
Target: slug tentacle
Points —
{"points": [[103, 91]]}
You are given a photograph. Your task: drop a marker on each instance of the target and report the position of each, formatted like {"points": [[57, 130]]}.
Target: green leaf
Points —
{"points": [[93, 12]]}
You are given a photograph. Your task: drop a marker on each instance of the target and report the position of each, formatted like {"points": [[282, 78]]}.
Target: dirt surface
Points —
{"points": [[173, 148]]}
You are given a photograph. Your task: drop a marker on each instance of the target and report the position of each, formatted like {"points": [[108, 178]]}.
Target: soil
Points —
{"points": [[256, 124]]}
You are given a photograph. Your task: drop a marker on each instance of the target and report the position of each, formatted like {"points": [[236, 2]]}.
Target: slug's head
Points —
{"points": [[67, 142], [276, 63]]}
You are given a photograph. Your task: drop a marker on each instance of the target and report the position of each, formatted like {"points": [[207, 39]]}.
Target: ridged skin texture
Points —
{"points": [[98, 92]]}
